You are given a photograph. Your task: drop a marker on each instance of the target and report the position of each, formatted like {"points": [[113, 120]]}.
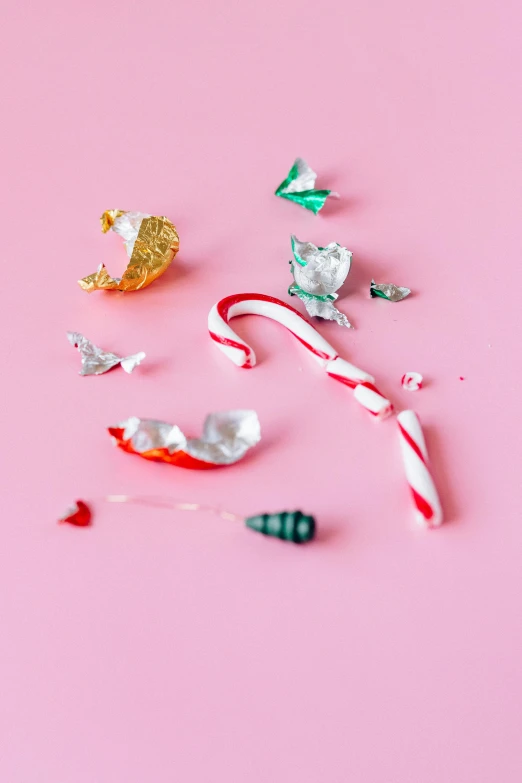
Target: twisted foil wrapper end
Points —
{"points": [[320, 307], [153, 250], [98, 281], [96, 361]]}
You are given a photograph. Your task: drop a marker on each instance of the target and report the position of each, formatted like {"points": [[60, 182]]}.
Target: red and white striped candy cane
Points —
{"points": [[242, 354], [415, 457]]}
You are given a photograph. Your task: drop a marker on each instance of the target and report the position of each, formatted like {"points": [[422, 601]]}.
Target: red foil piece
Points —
{"points": [[78, 515], [178, 457]]}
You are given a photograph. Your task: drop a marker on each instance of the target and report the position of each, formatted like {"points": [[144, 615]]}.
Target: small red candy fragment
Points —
{"points": [[412, 381], [79, 515]]}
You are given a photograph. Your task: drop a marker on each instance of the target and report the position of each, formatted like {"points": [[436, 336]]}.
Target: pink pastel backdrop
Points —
{"points": [[168, 647]]}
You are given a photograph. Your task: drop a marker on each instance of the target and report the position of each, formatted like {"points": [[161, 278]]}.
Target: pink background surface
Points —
{"points": [[162, 647]]}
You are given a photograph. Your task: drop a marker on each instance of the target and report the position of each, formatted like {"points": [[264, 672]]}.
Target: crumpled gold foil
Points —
{"points": [[154, 248]]}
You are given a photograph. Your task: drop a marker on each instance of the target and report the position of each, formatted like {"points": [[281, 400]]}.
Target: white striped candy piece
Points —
{"points": [[428, 510], [243, 355]]}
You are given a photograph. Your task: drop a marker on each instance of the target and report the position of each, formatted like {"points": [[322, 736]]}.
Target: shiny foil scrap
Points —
{"points": [[151, 243], [318, 273], [226, 438], [79, 515], [299, 186], [96, 361], [389, 291]]}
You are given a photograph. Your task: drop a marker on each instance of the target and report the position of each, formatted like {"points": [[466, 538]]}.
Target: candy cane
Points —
{"points": [[242, 354], [415, 458]]}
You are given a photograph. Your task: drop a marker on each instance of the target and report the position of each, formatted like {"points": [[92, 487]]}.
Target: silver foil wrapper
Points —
{"points": [[96, 361], [320, 308], [226, 438], [318, 273], [389, 291]]}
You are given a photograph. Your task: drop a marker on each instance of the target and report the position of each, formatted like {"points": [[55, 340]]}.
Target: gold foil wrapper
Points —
{"points": [[156, 245], [108, 218]]}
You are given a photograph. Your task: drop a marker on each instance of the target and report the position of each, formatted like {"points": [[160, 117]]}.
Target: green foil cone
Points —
{"points": [[286, 525], [299, 187]]}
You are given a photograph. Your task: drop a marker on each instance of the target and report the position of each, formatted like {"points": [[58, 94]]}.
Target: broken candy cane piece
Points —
{"points": [[428, 511], [412, 381], [243, 355]]}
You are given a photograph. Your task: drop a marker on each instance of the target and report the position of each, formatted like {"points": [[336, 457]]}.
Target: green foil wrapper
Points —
{"points": [[299, 186]]}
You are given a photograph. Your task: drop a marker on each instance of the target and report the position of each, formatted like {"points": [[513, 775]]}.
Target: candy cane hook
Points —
{"points": [[242, 354]]}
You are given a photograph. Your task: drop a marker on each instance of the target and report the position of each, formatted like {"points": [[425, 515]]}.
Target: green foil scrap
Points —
{"points": [[299, 186], [389, 291], [318, 273]]}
